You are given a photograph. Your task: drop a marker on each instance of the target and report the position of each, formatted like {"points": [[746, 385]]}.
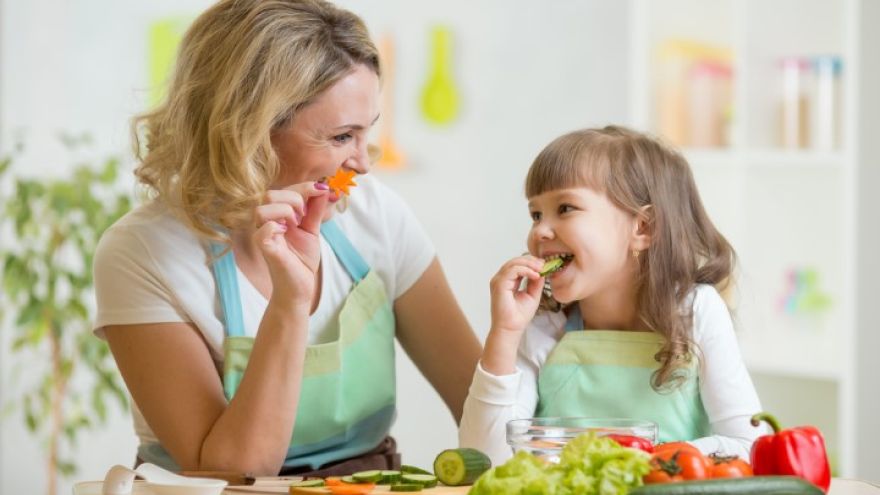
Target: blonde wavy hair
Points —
{"points": [[637, 171], [244, 68]]}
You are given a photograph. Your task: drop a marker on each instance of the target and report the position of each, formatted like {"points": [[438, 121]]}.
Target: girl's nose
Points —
{"points": [[542, 231]]}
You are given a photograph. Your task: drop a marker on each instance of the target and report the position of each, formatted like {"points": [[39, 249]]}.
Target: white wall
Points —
{"points": [[527, 71]]}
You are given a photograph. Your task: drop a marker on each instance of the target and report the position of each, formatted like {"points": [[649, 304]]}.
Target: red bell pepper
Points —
{"points": [[632, 442], [797, 451]]}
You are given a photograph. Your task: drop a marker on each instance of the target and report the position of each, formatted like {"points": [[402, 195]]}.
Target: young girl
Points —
{"points": [[632, 325]]}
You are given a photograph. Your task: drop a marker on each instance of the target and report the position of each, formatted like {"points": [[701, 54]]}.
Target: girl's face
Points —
{"points": [[593, 235], [330, 132]]}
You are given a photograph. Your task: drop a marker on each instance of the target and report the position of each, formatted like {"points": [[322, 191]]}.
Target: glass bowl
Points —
{"points": [[545, 437]]}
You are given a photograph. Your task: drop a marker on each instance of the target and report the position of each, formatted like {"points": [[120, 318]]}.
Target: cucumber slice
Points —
{"points": [[307, 483], [350, 480], [455, 467], [371, 476], [551, 266], [406, 469], [390, 477], [425, 480], [406, 487]]}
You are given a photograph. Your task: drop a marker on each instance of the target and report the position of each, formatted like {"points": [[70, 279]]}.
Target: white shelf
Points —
{"points": [[782, 209]]}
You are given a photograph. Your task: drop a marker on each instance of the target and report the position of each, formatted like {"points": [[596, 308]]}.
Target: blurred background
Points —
{"points": [[773, 102]]}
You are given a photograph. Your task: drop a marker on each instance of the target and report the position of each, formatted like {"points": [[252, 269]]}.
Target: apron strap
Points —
{"points": [[226, 277], [354, 264], [575, 322]]}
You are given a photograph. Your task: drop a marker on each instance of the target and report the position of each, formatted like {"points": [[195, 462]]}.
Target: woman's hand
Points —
{"points": [[512, 308], [288, 233]]}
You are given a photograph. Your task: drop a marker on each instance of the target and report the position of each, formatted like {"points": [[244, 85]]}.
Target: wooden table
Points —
{"points": [[839, 486]]}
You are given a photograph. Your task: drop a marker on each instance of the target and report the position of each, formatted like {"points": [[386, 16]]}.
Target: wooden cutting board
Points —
{"points": [[379, 490]]}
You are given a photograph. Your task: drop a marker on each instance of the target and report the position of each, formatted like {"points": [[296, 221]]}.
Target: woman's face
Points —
{"points": [[330, 132]]}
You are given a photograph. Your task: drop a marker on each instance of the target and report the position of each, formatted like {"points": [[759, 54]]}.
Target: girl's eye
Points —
{"points": [[536, 215], [565, 208], [343, 138]]}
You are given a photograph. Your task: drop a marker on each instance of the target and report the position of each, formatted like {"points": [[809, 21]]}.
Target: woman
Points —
{"points": [[253, 322]]}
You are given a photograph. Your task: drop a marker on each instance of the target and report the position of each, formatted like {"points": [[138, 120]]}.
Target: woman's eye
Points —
{"points": [[343, 138]]}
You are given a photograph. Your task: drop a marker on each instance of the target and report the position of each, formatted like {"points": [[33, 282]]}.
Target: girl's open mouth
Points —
{"points": [[555, 263]]}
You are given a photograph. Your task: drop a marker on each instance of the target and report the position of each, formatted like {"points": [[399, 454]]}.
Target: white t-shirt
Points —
{"points": [[151, 268], [725, 386]]}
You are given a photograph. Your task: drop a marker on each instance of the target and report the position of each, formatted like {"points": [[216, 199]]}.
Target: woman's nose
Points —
{"points": [[359, 161]]}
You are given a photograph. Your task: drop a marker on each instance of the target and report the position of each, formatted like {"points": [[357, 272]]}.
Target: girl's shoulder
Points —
{"points": [[711, 313]]}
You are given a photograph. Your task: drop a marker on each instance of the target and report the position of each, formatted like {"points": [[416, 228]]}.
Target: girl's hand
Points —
{"points": [[513, 309], [288, 233]]}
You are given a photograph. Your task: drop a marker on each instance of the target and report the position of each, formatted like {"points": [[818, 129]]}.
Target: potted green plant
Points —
{"points": [[65, 377]]}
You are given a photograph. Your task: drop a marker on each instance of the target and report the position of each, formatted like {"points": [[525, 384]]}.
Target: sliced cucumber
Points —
{"points": [[406, 469], [313, 483], [455, 467], [425, 480], [406, 487], [350, 480], [371, 476], [389, 477], [777, 485], [551, 266]]}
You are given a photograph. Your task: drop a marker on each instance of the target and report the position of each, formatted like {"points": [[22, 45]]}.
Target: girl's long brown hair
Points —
{"points": [[641, 175], [244, 68]]}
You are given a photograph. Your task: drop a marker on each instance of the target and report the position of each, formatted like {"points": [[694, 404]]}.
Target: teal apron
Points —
{"points": [[347, 398], [607, 374]]}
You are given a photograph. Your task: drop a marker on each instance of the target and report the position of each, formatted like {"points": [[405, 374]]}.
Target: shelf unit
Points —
{"points": [[782, 209]]}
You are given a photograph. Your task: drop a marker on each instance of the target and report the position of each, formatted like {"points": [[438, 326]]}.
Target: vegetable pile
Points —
{"points": [[588, 465]]}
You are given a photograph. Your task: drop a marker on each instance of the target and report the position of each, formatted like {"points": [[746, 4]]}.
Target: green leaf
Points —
{"points": [[30, 314], [66, 468]]}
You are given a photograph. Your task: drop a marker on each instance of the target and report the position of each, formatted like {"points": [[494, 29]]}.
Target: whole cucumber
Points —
{"points": [[760, 485]]}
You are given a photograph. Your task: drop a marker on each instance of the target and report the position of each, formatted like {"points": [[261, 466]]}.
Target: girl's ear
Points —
{"points": [[643, 228]]}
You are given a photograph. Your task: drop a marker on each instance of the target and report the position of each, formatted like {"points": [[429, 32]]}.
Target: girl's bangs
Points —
{"points": [[573, 160]]}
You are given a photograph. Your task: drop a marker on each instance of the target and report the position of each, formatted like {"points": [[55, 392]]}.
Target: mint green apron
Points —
{"points": [[347, 398], [607, 374]]}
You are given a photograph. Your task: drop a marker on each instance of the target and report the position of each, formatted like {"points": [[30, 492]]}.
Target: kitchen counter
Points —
{"points": [[839, 486]]}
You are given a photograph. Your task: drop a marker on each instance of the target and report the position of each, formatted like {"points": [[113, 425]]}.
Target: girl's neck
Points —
{"points": [[612, 310]]}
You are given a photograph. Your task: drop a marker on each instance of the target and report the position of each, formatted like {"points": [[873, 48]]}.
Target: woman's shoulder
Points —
{"points": [[150, 228]]}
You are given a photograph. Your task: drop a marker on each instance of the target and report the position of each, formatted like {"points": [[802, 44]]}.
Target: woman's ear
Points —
{"points": [[643, 228]]}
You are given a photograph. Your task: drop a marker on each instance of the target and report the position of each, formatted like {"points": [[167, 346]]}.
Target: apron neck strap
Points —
{"points": [[574, 322], [226, 275], [354, 264], [226, 278]]}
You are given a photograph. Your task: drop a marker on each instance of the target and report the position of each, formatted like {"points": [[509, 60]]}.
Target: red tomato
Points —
{"points": [[675, 446], [660, 476], [685, 459], [730, 467]]}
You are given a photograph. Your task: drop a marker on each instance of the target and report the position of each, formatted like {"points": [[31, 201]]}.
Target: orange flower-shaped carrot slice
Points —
{"points": [[341, 181]]}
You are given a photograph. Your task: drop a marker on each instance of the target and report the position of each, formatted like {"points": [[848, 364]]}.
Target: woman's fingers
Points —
{"points": [[282, 213], [315, 208], [295, 198]]}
